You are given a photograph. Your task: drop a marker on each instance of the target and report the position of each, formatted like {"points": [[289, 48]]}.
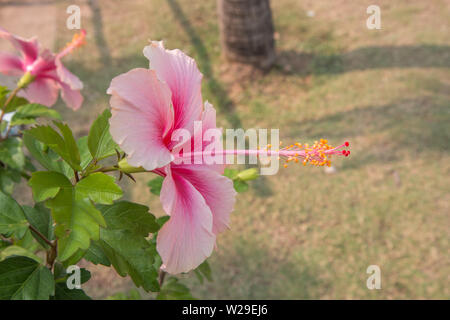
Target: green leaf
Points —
{"points": [[46, 184], [64, 293], [156, 185], [96, 255], [173, 289], [100, 142], [27, 241], [70, 144], [204, 270], [125, 244], [78, 221], [100, 188], [8, 179], [162, 220], [240, 186], [4, 244], [11, 153], [40, 218], [18, 251], [74, 258], [27, 114], [22, 278], [3, 94], [85, 155], [12, 217], [230, 173], [15, 103], [131, 254], [129, 216], [45, 156], [65, 145]]}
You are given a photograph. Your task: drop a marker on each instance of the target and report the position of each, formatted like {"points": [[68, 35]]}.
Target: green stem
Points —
{"points": [[5, 239], [75, 173], [106, 169], [51, 244], [162, 275], [52, 252], [25, 175]]}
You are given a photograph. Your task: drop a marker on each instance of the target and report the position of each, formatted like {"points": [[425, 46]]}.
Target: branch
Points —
{"points": [[75, 173], [162, 275], [50, 243]]}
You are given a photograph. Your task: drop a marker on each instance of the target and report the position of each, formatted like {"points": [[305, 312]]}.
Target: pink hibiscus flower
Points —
{"points": [[148, 105], [48, 73]]}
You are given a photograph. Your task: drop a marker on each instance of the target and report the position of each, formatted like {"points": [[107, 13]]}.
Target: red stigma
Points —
{"points": [[347, 143]]}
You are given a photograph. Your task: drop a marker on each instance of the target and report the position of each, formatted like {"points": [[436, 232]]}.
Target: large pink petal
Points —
{"points": [[181, 74], [28, 48], [10, 64], [208, 121], [67, 77], [71, 97], [216, 189], [186, 240], [141, 117], [209, 117], [41, 90]]}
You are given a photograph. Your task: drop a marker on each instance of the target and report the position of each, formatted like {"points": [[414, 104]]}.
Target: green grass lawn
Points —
{"points": [[306, 234]]}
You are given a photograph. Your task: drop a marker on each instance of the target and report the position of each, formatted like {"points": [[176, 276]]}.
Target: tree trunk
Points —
{"points": [[246, 31]]}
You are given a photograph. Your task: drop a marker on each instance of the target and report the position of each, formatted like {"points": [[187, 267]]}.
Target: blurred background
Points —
{"points": [[305, 233]]}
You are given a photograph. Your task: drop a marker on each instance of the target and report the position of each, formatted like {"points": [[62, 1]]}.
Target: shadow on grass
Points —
{"points": [[222, 101], [221, 98], [425, 56], [97, 22], [412, 125], [252, 271]]}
